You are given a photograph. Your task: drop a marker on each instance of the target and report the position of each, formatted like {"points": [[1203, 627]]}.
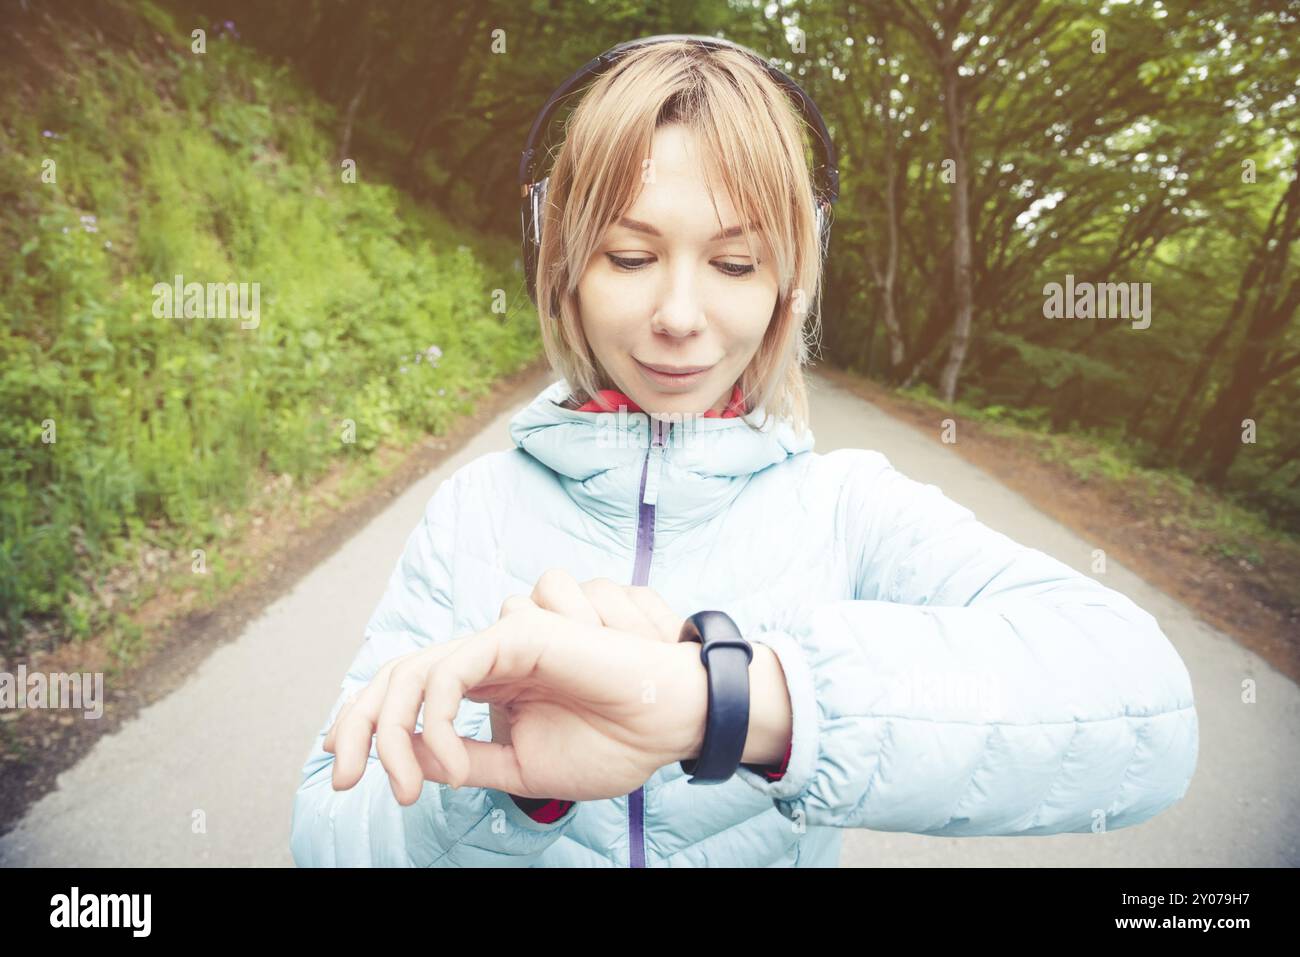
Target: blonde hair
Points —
{"points": [[754, 134]]}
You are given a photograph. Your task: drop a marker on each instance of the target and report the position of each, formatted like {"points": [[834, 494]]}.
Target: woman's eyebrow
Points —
{"points": [[637, 226]]}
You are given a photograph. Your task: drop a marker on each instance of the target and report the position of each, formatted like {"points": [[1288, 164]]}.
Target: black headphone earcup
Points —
{"points": [[823, 226], [531, 215], [525, 251], [529, 251]]}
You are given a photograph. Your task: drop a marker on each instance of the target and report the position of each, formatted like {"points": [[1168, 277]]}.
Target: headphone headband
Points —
{"points": [[826, 171]]}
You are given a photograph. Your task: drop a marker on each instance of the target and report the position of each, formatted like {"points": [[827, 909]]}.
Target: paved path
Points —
{"points": [[232, 740]]}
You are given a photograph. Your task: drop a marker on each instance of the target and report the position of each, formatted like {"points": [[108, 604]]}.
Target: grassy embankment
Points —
{"points": [[136, 448]]}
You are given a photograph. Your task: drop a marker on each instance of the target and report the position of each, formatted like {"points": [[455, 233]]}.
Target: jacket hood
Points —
{"points": [[599, 457]]}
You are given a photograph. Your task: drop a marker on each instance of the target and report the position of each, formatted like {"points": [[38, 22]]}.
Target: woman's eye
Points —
{"points": [[736, 269], [627, 265], [632, 265]]}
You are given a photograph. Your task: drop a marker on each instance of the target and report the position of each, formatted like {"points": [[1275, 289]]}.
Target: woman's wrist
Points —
{"points": [[771, 721], [694, 699]]}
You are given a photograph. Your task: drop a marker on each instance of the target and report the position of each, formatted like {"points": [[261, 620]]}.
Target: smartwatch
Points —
{"points": [[726, 657]]}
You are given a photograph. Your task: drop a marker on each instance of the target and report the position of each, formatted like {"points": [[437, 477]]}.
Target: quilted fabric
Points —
{"points": [[943, 679]]}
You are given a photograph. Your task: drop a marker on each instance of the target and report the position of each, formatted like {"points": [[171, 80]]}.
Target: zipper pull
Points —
{"points": [[655, 458]]}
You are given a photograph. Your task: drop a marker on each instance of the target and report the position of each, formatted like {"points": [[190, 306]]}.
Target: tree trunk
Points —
{"points": [[1222, 424], [897, 348], [961, 259], [1212, 351], [363, 77], [1221, 427]]}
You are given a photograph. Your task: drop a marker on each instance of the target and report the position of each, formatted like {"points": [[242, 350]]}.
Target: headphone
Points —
{"points": [[826, 174]]}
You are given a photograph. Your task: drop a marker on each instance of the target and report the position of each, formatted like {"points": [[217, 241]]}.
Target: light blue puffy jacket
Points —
{"points": [[943, 679]]}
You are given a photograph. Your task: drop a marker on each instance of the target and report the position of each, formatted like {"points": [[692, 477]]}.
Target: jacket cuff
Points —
{"points": [[805, 739], [773, 772], [543, 810], [518, 817]]}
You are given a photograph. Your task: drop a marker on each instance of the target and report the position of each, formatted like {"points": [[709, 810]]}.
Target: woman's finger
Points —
{"points": [[493, 656], [616, 608], [558, 591], [599, 601], [515, 603], [492, 765], [430, 768], [667, 623], [398, 714], [635, 608], [396, 725], [328, 744], [355, 729]]}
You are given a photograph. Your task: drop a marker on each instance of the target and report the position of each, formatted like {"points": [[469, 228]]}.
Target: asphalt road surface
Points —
{"points": [[232, 740]]}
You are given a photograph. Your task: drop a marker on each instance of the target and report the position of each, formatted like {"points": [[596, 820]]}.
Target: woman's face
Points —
{"points": [[683, 299]]}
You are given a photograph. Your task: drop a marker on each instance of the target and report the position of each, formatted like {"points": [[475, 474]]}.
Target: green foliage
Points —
{"points": [[1103, 462], [1052, 367], [215, 168]]}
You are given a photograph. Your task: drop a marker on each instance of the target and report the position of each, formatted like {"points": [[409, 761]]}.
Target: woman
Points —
{"points": [[912, 669]]}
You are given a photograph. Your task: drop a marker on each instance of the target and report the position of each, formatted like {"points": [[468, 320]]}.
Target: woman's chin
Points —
{"points": [[677, 404]]}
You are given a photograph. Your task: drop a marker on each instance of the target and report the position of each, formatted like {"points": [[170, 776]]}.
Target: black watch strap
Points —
{"points": [[726, 656]]}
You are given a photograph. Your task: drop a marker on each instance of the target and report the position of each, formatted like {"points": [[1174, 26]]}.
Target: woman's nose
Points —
{"points": [[681, 310]]}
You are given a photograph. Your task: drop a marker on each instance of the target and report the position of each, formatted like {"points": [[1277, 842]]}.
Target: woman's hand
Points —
{"points": [[600, 601], [594, 710]]}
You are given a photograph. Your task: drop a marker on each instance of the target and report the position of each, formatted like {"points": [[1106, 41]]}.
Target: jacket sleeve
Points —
{"points": [[445, 827], [973, 686]]}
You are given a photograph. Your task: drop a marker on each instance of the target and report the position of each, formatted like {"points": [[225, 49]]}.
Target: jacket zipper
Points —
{"points": [[645, 543]]}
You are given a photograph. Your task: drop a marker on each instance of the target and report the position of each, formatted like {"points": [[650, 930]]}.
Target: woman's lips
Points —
{"points": [[670, 382]]}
